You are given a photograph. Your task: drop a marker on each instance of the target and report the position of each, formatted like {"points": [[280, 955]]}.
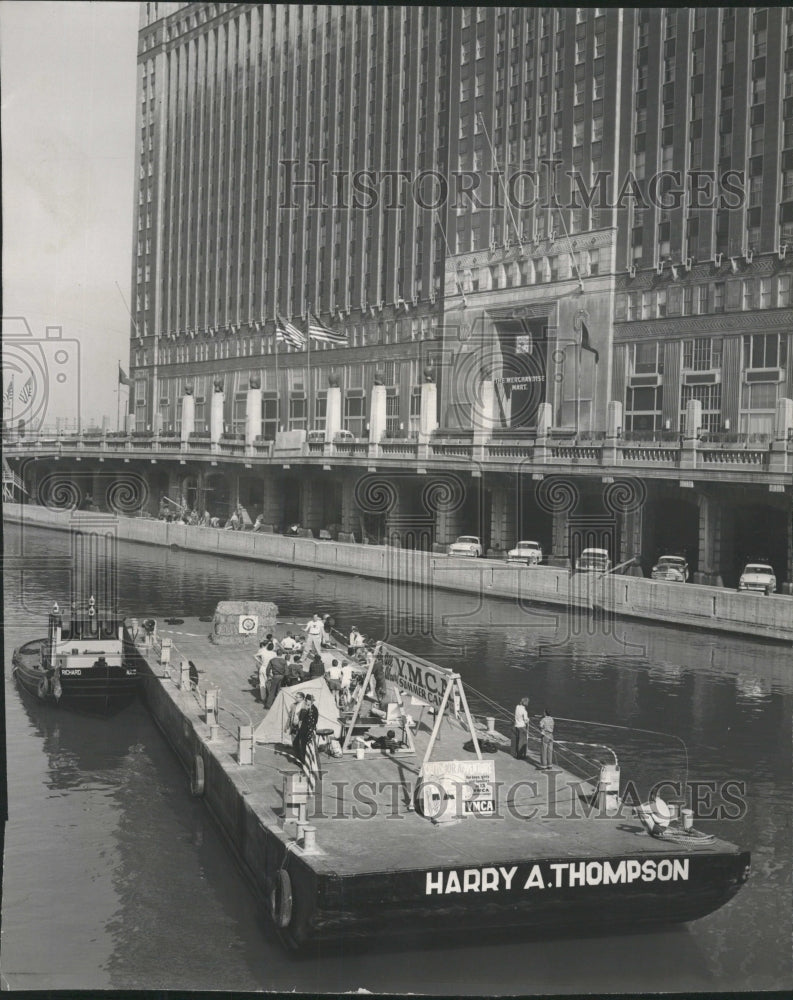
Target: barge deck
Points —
{"points": [[545, 861]]}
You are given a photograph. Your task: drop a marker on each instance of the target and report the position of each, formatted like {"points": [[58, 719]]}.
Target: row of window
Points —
{"points": [[769, 292], [644, 407]]}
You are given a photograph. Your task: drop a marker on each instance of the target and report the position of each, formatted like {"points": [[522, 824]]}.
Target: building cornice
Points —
{"points": [[718, 323]]}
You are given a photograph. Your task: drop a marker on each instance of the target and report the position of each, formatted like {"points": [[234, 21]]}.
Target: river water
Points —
{"points": [[115, 878]]}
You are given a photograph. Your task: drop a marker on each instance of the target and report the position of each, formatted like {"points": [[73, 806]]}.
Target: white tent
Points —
{"points": [[273, 727]]}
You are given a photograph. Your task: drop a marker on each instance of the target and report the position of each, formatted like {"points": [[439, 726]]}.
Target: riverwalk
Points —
{"points": [[712, 608]]}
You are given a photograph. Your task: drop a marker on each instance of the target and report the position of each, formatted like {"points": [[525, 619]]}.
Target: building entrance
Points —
{"points": [[520, 385]]}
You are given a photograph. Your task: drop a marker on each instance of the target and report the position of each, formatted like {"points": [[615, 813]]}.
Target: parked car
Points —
{"points": [[758, 577], [593, 561], [529, 553], [673, 569], [466, 545]]}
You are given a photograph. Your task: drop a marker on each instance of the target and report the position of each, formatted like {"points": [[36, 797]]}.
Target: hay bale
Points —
{"points": [[242, 623]]}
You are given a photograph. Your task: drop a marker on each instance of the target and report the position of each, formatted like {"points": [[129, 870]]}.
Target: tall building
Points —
{"points": [[577, 222]]}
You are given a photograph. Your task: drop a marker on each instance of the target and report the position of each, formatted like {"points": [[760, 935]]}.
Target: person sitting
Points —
{"points": [[355, 642], [233, 523], [288, 643], [206, 520], [257, 524], [214, 522], [316, 667], [388, 742]]}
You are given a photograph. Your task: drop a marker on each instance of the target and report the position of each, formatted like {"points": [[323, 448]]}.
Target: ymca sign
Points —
{"points": [[410, 673]]}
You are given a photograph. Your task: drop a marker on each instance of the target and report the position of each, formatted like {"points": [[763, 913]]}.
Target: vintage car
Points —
{"points": [[466, 545], [673, 569], [758, 577], [528, 553], [593, 561]]}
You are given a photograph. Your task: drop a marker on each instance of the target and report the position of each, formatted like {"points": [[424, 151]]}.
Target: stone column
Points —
{"points": [[691, 435], [311, 505], [561, 536], [253, 412], [188, 416], [332, 412], [272, 500], [710, 538], [349, 515], [216, 416], [377, 414], [787, 586], [428, 418], [448, 525]]}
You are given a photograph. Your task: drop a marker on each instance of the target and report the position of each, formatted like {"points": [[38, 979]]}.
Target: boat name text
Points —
{"points": [[556, 875]]}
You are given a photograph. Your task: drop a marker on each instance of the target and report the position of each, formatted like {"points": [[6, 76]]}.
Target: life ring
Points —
{"points": [[281, 900], [197, 776]]}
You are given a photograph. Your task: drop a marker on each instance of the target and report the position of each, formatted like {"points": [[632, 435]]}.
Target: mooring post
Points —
{"points": [[245, 745]]}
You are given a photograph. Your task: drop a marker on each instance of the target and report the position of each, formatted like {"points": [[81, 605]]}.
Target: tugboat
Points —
{"points": [[79, 665]]}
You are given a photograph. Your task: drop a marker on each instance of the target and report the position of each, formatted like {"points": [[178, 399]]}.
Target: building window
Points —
{"points": [[702, 354], [355, 415], [710, 398], [392, 425], [758, 406], [320, 411], [764, 350], [643, 408], [415, 410], [297, 413], [646, 358]]}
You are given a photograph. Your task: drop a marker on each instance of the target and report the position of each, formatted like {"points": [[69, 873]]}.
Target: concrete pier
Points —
{"points": [[712, 608]]}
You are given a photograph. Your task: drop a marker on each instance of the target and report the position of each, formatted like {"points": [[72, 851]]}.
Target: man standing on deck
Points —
{"points": [[265, 653], [521, 729], [546, 750], [314, 631]]}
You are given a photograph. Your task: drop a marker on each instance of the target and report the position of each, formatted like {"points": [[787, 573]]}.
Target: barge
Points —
{"points": [[442, 831], [80, 664]]}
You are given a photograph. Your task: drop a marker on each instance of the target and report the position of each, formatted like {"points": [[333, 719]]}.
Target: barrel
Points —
{"points": [[608, 793], [687, 818]]}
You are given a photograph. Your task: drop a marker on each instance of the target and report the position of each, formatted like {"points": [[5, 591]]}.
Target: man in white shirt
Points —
{"points": [[313, 630], [263, 656], [288, 643], [521, 729]]}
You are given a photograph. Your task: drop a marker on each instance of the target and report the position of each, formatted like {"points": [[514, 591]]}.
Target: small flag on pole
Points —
{"points": [[585, 345], [27, 391], [9, 396], [317, 331], [123, 378], [310, 765]]}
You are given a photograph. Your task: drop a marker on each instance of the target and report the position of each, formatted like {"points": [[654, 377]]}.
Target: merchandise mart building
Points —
{"points": [[383, 174]]}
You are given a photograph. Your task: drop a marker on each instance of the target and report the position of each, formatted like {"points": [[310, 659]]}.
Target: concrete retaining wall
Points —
{"points": [[703, 607]]}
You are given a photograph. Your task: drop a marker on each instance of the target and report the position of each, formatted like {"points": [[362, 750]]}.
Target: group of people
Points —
{"points": [[289, 661], [239, 519], [521, 737]]}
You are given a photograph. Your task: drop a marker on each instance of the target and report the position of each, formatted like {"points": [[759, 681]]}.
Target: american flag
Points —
{"points": [[27, 391], [9, 397], [310, 765], [317, 331], [288, 333]]}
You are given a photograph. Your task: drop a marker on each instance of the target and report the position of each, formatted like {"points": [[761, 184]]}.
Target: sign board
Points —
{"points": [[468, 787], [411, 673], [520, 379], [248, 624]]}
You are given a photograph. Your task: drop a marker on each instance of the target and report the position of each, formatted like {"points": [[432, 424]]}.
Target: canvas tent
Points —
{"points": [[273, 727]]}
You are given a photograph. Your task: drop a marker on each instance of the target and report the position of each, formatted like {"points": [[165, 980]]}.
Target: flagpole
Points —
{"points": [[277, 386], [308, 367]]}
